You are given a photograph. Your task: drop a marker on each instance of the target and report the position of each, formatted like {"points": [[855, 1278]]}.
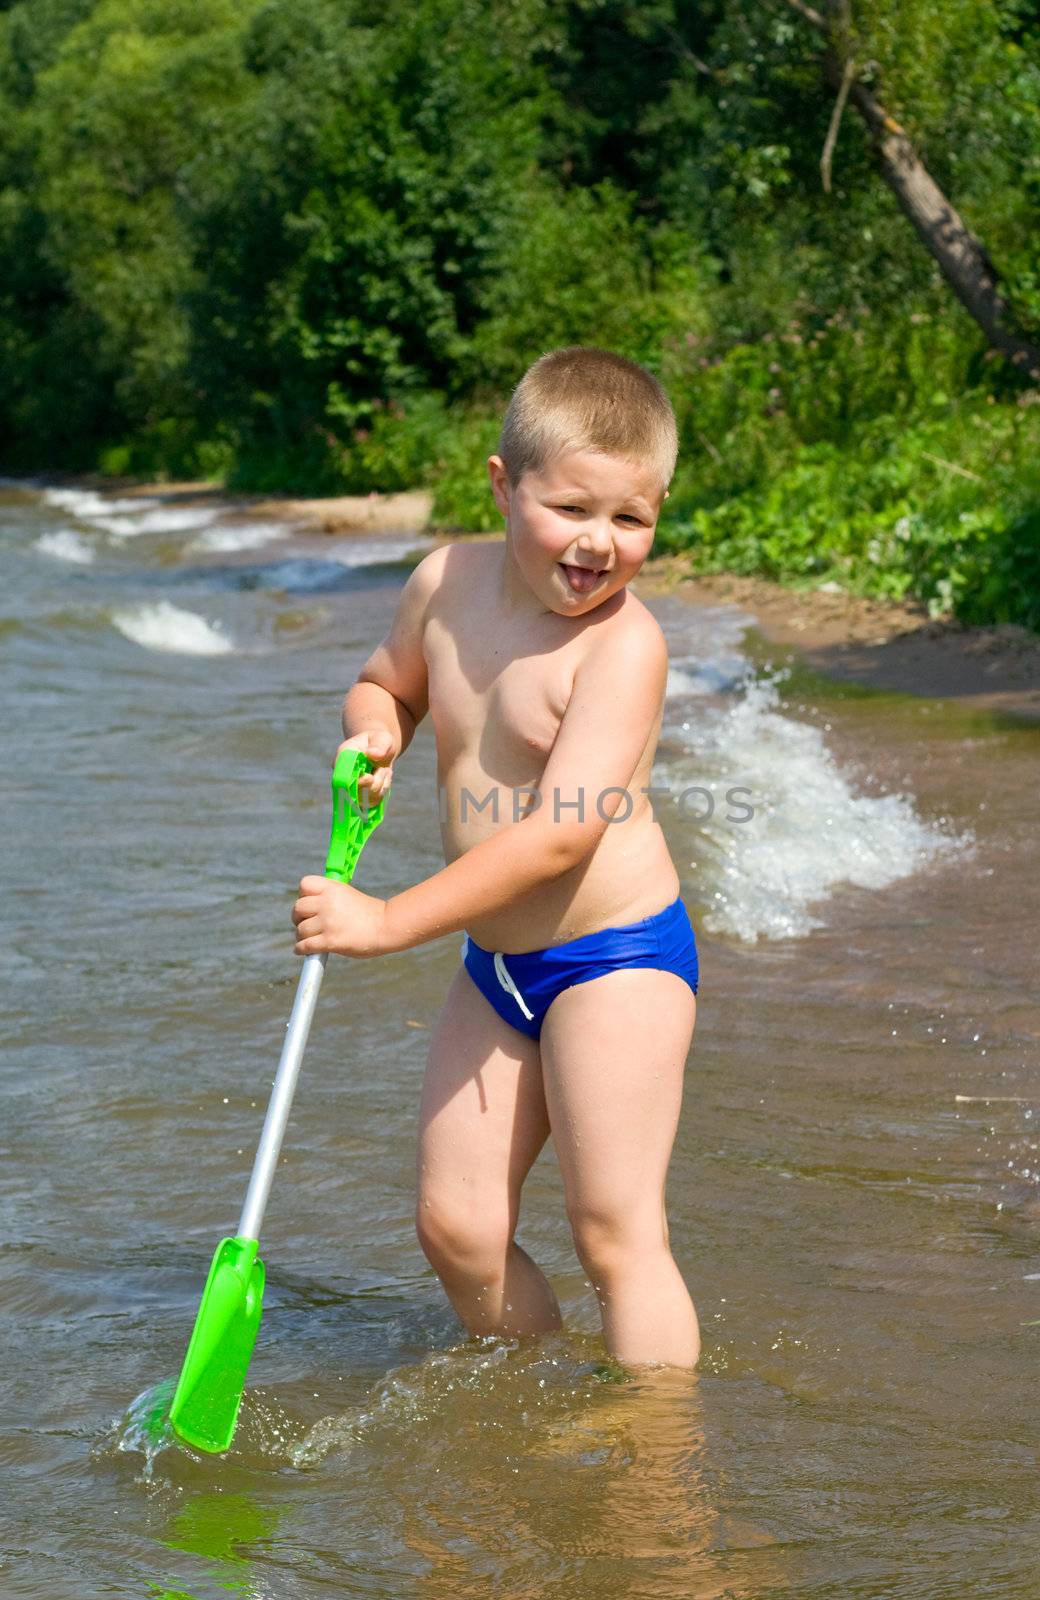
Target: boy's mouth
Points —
{"points": [[581, 579]]}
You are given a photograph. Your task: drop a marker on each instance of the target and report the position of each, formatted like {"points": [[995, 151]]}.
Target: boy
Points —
{"points": [[574, 1007]]}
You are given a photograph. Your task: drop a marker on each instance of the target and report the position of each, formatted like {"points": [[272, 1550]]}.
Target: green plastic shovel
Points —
{"points": [[209, 1390]]}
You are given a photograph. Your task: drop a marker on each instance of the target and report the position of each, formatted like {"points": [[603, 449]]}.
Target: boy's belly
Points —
{"points": [[629, 875]]}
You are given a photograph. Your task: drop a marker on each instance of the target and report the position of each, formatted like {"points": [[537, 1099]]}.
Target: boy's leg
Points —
{"points": [[613, 1054], [482, 1123]]}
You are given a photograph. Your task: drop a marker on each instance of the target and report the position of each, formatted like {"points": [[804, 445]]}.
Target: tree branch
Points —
{"points": [[835, 123], [818, 21], [687, 54]]}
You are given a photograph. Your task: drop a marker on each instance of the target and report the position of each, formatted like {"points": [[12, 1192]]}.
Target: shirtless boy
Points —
{"points": [[574, 1006]]}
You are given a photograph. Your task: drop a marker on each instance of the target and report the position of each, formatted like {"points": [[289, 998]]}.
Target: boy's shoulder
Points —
{"points": [[448, 580], [428, 570], [426, 579], [630, 625], [445, 562]]}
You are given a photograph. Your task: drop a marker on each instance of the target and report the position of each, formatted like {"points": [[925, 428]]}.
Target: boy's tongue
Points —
{"points": [[581, 579]]}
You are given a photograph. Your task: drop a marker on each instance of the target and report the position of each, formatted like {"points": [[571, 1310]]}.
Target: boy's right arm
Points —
{"points": [[389, 699]]}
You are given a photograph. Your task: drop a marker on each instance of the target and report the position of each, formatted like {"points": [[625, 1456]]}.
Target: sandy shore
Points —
{"points": [[883, 644]]}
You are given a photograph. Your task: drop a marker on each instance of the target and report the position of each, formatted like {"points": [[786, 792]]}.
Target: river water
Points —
{"points": [[854, 1193]]}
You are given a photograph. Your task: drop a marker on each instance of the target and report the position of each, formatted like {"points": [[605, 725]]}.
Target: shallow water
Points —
{"points": [[861, 1244]]}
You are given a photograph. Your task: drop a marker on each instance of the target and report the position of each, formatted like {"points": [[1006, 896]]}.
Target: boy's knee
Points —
{"points": [[604, 1237], [449, 1232]]}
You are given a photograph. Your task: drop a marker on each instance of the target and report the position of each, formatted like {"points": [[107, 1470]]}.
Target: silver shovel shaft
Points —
{"points": [[280, 1103]]}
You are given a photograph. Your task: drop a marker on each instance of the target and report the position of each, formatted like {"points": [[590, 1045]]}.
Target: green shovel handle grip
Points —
{"points": [[352, 822]]}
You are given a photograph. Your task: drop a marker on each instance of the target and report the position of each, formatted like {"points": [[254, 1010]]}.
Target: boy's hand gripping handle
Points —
{"points": [[351, 826], [351, 823]]}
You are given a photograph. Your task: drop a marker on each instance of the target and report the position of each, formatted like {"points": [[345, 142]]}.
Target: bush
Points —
{"points": [[945, 510]]}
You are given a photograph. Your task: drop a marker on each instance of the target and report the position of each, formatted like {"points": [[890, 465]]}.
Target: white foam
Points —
{"points": [[809, 832], [86, 504], [701, 677], [369, 552], [239, 536], [163, 626], [164, 519], [66, 546]]}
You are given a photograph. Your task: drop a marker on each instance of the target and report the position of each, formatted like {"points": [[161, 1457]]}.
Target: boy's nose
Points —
{"points": [[596, 541]]}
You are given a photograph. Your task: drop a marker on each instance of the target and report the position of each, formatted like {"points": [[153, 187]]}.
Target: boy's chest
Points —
{"points": [[497, 704]]}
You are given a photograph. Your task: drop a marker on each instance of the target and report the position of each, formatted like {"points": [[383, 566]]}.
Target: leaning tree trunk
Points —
{"points": [[961, 257]]}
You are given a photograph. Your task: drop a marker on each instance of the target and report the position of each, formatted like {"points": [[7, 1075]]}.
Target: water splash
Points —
{"points": [[761, 874], [145, 1429], [488, 1377]]}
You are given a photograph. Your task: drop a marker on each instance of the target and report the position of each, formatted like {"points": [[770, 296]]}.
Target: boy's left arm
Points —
{"points": [[618, 689]]}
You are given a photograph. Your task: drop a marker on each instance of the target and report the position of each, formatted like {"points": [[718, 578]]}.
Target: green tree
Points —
{"points": [[347, 245], [121, 118]]}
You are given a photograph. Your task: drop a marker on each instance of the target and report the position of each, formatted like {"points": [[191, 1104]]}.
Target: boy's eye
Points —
{"points": [[625, 516]]}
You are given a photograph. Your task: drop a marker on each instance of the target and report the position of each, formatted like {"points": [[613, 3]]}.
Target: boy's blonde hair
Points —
{"points": [[581, 398]]}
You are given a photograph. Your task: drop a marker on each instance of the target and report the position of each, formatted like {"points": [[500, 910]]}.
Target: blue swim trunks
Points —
{"points": [[522, 987]]}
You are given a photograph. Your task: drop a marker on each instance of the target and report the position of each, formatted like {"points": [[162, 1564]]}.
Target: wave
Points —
{"points": [[228, 537], [128, 518], [773, 824], [364, 551], [164, 519], [163, 626], [86, 504], [66, 546], [293, 575]]}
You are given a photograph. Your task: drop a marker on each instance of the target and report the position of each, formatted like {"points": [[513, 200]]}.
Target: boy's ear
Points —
{"points": [[499, 483]]}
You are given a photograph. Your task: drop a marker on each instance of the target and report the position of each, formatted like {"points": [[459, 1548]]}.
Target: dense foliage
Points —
{"points": [[311, 246]]}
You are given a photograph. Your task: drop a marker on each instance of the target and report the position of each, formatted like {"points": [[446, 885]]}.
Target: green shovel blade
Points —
{"points": [[209, 1391]]}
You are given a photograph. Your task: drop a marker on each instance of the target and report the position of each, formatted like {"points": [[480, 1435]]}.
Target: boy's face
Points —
{"points": [[579, 528]]}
